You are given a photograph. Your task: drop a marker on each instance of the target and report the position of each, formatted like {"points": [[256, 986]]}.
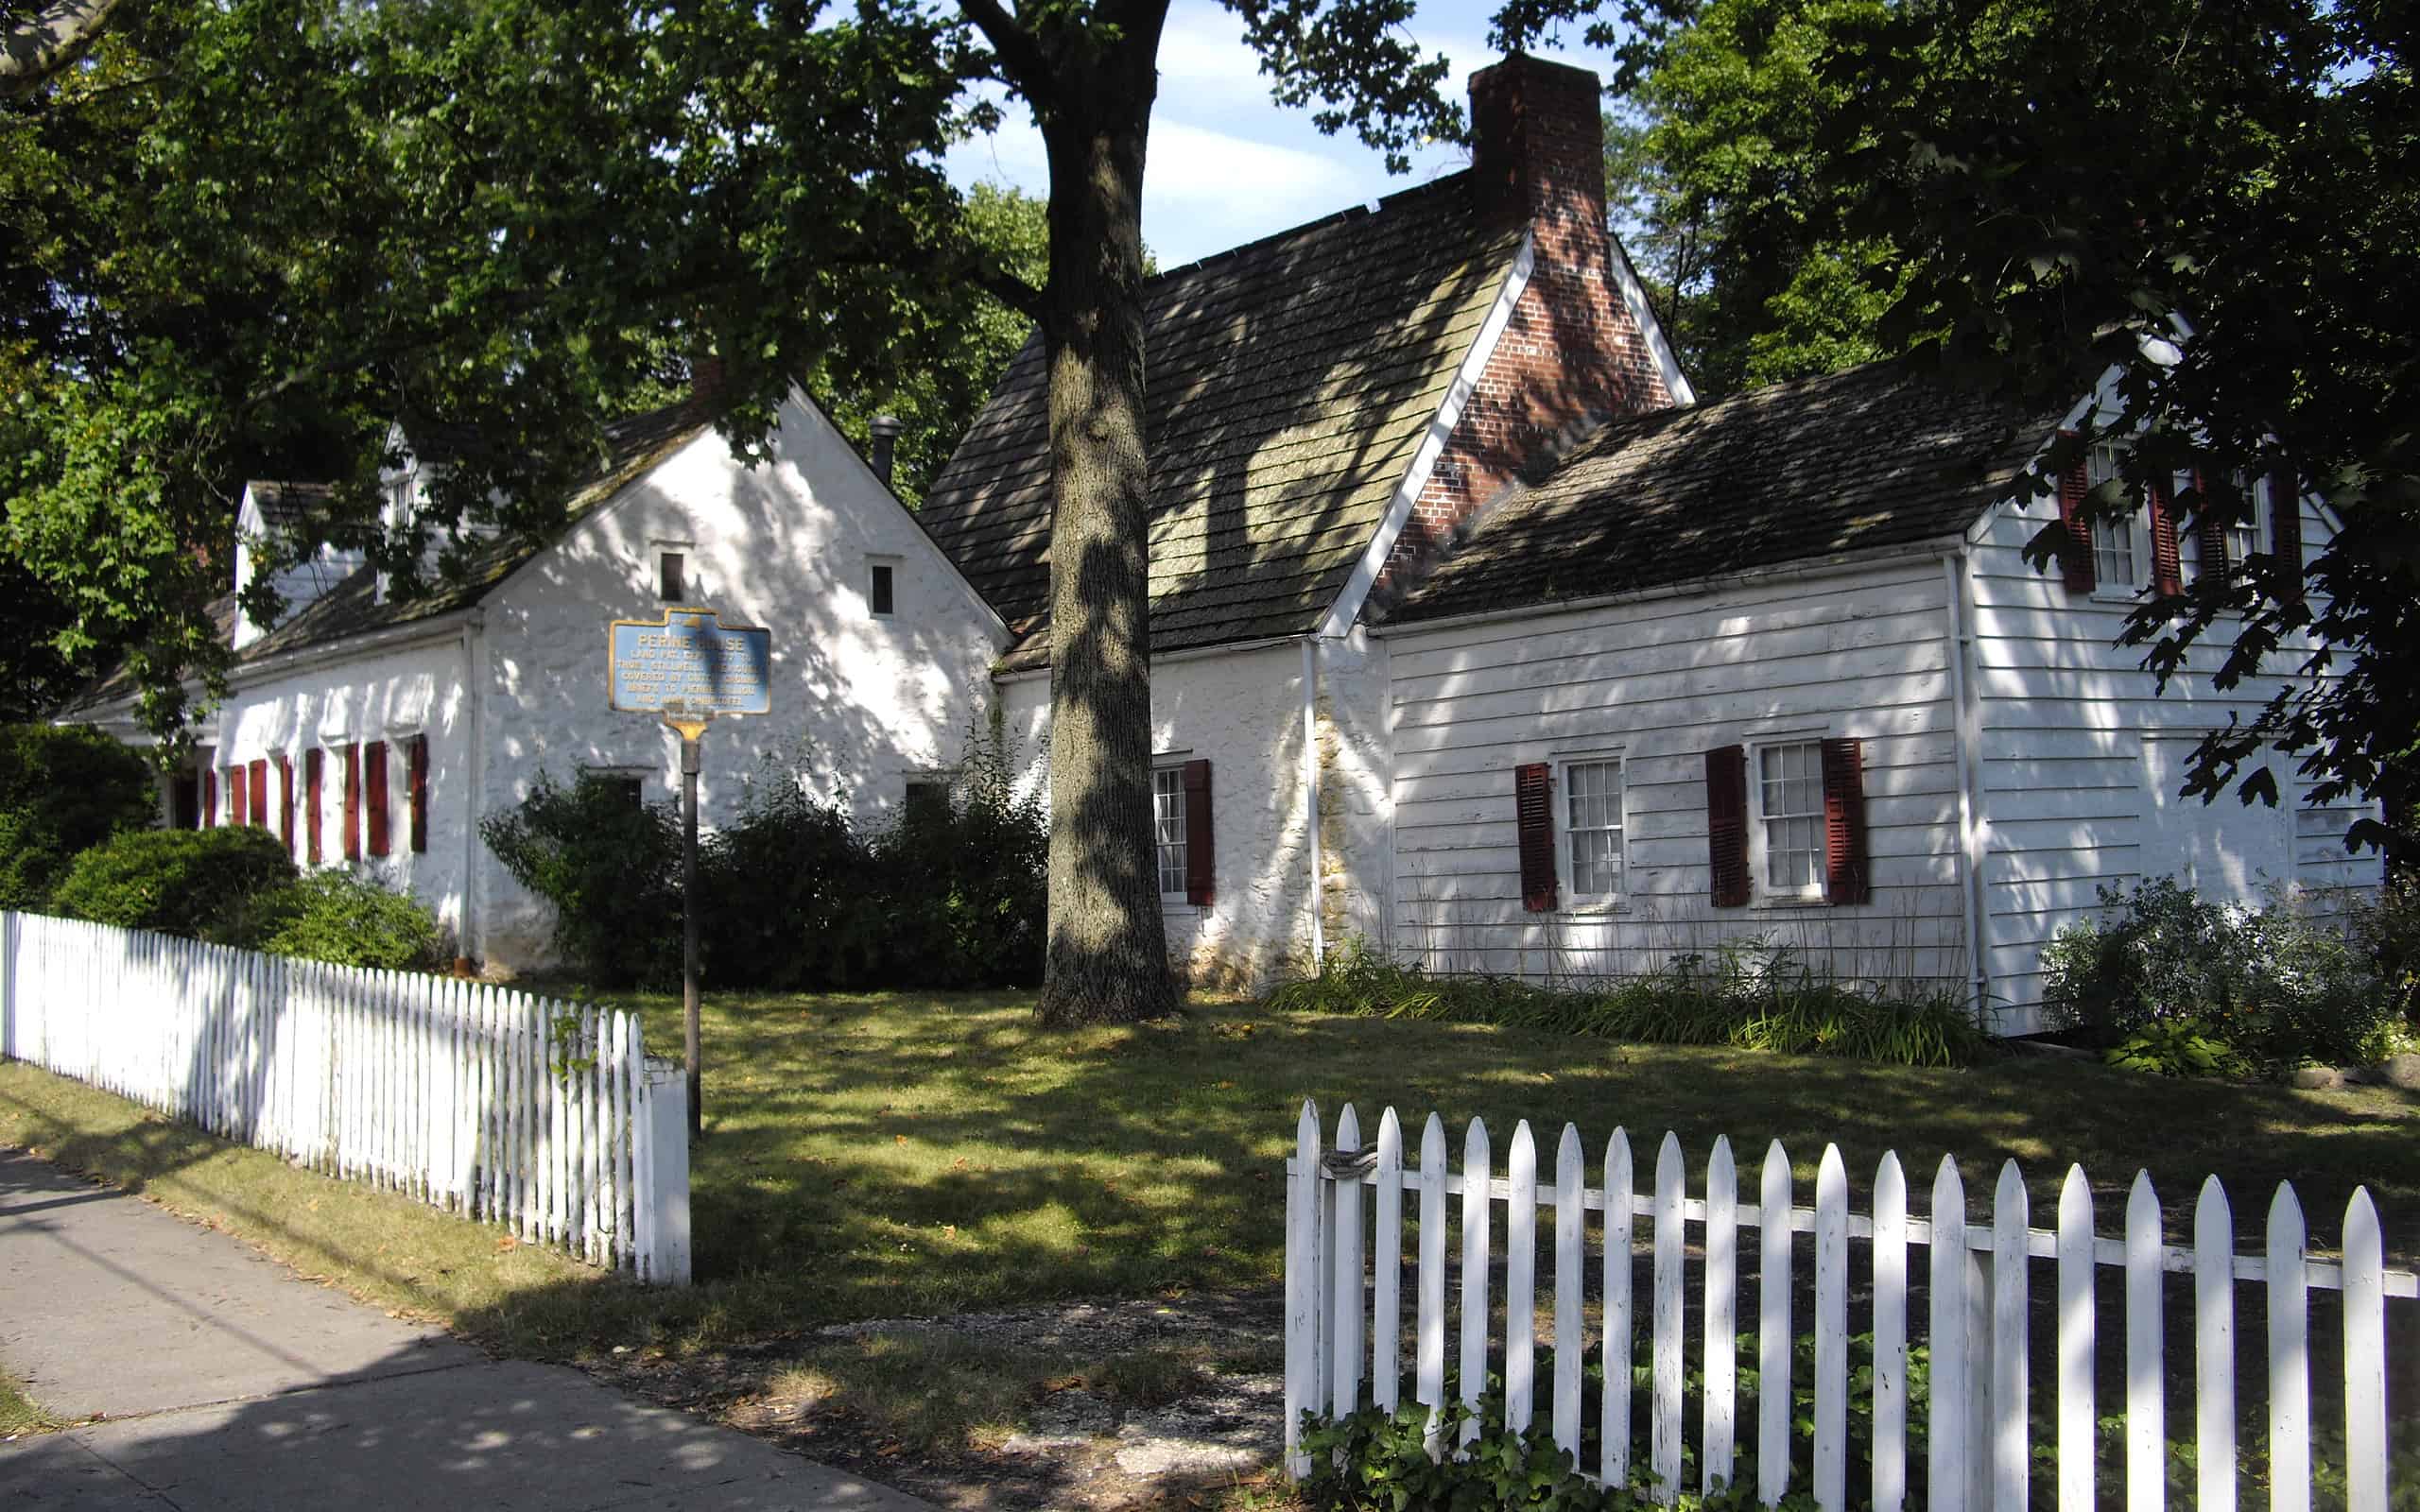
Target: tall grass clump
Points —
{"points": [[1745, 995]]}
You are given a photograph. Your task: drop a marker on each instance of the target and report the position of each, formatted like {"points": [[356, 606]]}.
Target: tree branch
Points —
{"points": [[1022, 58], [35, 50]]}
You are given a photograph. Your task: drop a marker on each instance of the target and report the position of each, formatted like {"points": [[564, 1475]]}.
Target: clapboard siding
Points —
{"points": [[1862, 653], [2064, 713]]}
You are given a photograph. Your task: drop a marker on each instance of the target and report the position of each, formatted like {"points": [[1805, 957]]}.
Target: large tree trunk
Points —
{"points": [[1108, 959]]}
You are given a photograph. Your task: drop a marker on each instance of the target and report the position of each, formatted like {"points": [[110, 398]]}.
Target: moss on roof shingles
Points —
{"points": [[1289, 382]]}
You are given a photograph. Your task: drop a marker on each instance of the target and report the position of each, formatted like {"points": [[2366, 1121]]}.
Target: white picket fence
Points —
{"points": [[1345, 1317], [547, 1118]]}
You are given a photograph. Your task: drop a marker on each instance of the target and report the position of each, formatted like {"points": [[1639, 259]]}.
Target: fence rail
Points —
{"points": [[547, 1118], [1344, 1318]]}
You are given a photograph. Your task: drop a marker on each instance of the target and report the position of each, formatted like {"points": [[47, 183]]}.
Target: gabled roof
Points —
{"points": [[1876, 457], [290, 505], [352, 608], [1290, 382]]}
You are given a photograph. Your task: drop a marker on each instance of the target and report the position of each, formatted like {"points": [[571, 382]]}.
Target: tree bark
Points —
{"points": [[1108, 957], [34, 50]]}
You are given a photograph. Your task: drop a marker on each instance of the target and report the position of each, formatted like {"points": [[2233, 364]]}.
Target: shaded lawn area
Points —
{"points": [[911, 1156], [899, 1156]]}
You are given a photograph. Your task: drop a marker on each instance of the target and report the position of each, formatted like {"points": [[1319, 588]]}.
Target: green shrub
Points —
{"points": [[203, 884], [2388, 928], [2178, 1047], [611, 867], [334, 916], [2276, 984], [63, 789], [965, 888], [791, 905], [1745, 995]]}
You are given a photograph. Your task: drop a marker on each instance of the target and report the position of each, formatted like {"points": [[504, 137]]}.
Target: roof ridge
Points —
{"points": [[1382, 205]]}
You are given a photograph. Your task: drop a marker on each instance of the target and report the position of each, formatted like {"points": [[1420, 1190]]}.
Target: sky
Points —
{"points": [[1227, 165]]}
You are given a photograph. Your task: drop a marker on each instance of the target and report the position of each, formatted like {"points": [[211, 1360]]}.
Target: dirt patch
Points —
{"points": [[1093, 1406]]}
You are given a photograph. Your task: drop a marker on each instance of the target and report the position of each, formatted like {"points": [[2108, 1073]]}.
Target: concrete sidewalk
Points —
{"points": [[228, 1382]]}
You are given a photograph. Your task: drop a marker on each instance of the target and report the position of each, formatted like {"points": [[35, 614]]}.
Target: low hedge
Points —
{"points": [[203, 884], [1748, 996], [63, 789]]}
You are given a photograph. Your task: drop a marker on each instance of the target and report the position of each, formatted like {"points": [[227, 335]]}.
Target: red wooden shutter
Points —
{"points": [[260, 793], [285, 801], [210, 798], [352, 801], [1533, 806], [416, 765], [2212, 534], [1846, 873], [373, 776], [1726, 824], [2075, 546], [1200, 857], [314, 763], [2286, 532], [239, 797], [2167, 561]]}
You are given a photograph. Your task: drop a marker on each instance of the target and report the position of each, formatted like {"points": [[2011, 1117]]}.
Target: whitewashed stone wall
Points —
{"points": [[1242, 711]]}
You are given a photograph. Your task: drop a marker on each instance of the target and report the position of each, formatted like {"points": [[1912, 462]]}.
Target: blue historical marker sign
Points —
{"points": [[690, 664]]}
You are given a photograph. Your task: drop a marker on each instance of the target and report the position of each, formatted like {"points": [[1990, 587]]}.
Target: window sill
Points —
{"points": [[1803, 900], [1603, 910]]}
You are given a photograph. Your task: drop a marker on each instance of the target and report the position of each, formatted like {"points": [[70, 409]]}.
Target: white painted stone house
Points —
{"points": [[1474, 638], [371, 729]]}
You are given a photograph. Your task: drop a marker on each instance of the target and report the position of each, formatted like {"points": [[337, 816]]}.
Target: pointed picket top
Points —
{"points": [[2366, 1384], [1348, 1130], [1306, 1131], [1432, 1144], [2008, 1190], [1721, 1162], [2213, 1218], [1620, 1172], [1776, 1165], [1474, 1147], [1570, 1161], [1390, 1139], [1521, 1161], [2140, 1197], [2286, 1216], [1668, 1157], [1831, 1176], [2075, 1200]]}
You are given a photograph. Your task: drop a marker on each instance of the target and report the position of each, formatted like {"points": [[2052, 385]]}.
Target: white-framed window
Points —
{"points": [[882, 587], [1595, 856], [1167, 828], [2244, 536], [2120, 549], [1785, 785]]}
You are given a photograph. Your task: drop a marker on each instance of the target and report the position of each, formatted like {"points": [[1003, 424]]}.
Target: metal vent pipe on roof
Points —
{"points": [[885, 430]]}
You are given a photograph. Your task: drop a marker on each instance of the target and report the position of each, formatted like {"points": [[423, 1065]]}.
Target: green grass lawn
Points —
{"points": [[902, 1156]]}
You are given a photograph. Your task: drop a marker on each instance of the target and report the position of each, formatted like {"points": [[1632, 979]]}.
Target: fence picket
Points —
{"points": [[1720, 1355], [1890, 1335], [2010, 1436], [1430, 1383], [1570, 1232], [1344, 1371], [1302, 1284], [1386, 1257], [1521, 1280], [1773, 1335], [401, 1081], [1831, 1330], [1947, 1460], [1664, 1424], [2214, 1349], [1473, 1367], [2365, 1447], [2289, 1358], [2076, 1342], [1620, 1219], [2146, 1409]]}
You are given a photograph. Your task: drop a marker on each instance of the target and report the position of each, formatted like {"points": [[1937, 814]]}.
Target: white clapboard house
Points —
{"points": [[376, 730], [1475, 639]]}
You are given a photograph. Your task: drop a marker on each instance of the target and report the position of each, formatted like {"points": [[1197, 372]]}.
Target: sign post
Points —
{"points": [[689, 667]]}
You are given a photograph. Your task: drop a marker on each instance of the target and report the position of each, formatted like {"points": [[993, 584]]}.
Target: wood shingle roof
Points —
{"points": [[1291, 381]]}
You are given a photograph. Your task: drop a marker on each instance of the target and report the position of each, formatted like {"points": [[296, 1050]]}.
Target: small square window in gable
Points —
{"points": [[882, 589], [671, 576]]}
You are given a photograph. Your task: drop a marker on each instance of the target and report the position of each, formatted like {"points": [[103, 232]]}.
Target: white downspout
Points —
{"points": [[1311, 787], [1966, 742], [473, 932]]}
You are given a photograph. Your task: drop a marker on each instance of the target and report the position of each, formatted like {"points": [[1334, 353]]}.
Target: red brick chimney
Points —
{"points": [[1573, 356]]}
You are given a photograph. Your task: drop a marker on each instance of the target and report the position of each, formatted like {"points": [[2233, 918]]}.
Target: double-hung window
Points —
{"points": [[2116, 551], [1167, 828], [1790, 818], [1593, 851]]}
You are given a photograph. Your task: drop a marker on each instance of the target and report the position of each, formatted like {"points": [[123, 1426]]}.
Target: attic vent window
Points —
{"points": [[671, 576], [879, 596]]}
